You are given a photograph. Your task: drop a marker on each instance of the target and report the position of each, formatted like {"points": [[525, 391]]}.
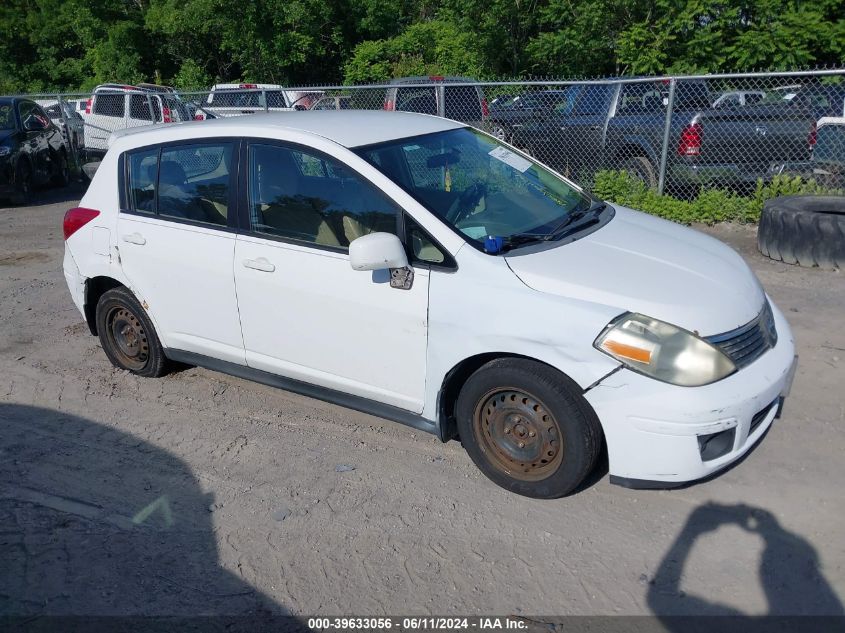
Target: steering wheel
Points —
{"points": [[467, 200]]}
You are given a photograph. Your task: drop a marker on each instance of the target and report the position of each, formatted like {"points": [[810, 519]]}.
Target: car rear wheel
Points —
{"points": [[128, 336], [499, 132], [641, 168], [528, 428]]}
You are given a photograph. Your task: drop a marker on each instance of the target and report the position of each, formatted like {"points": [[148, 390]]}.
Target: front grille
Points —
{"points": [[746, 344]]}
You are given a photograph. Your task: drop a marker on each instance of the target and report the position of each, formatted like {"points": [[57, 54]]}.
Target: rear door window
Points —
{"points": [[110, 104], [182, 182]]}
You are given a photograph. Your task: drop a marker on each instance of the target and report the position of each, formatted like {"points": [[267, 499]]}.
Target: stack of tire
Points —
{"points": [[804, 230]]}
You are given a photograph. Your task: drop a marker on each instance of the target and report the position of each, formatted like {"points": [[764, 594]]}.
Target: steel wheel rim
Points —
{"points": [[128, 338], [499, 133], [518, 433]]}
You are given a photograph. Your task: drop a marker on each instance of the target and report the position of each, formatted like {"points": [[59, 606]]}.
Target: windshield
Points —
{"points": [[477, 185]]}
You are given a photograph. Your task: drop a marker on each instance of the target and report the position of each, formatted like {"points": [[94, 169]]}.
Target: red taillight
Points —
{"points": [[811, 139], [199, 116], [485, 109], [249, 86], [388, 105], [76, 218], [690, 142], [165, 115], [435, 77], [88, 105]]}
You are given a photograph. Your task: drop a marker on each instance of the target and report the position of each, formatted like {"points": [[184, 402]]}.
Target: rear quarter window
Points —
{"points": [[110, 105]]}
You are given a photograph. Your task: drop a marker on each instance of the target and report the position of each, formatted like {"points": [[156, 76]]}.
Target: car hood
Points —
{"points": [[639, 263]]}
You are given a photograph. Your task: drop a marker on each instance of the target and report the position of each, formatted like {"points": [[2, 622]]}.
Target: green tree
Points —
{"points": [[435, 47]]}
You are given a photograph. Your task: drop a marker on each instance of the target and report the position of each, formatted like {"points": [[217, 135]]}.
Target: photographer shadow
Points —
{"points": [[789, 569], [99, 523]]}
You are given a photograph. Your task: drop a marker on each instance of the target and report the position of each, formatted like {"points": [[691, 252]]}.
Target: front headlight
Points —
{"points": [[5, 150], [663, 351]]}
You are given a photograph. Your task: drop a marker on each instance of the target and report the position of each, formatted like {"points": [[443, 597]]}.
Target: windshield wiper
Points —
{"points": [[570, 222]]}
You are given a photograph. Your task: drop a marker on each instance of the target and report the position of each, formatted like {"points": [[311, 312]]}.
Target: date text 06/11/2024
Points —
{"points": [[417, 623]]}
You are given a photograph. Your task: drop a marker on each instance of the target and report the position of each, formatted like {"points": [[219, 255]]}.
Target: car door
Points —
{"points": [[305, 313], [176, 239]]}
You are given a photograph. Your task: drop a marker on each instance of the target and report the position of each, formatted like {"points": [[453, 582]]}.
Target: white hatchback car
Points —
{"points": [[420, 270]]}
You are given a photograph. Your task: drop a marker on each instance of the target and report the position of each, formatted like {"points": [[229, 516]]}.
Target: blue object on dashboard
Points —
{"points": [[493, 244]]}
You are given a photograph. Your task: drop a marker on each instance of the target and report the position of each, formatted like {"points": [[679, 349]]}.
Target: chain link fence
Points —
{"points": [[674, 135]]}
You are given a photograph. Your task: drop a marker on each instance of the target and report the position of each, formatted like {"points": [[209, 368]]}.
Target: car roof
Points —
{"points": [[831, 120], [349, 128]]}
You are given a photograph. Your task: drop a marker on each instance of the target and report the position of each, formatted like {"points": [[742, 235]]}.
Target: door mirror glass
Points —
{"points": [[34, 124], [377, 251]]}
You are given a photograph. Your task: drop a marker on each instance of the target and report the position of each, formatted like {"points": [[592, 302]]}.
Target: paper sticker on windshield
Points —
{"points": [[509, 158], [475, 232]]}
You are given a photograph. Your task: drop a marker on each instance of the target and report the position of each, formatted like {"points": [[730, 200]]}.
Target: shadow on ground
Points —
{"points": [[789, 570], [99, 523]]}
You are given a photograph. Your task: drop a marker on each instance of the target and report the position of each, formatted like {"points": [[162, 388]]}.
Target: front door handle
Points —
{"points": [[259, 264], [135, 238]]}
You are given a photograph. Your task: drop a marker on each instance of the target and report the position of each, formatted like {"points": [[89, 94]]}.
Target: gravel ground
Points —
{"points": [[204, 494]]}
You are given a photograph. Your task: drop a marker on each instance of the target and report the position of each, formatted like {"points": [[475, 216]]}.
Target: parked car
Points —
{"points": [[65, 116], [827, 164], [440, 96], [340, 102], [739, 98], [622, 125], [32, 149], [527, 108], [116, 106], [421, 270], [226, 100], [822, 100]]}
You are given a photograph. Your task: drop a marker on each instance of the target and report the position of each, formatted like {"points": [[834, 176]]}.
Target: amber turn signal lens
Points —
{"points": [[628, 351]]}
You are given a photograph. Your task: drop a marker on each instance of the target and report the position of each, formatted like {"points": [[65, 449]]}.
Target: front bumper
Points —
{"points": [[654, 431]]}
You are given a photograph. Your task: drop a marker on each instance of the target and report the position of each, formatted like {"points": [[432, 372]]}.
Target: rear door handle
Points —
{"points": [[135, 238], [259, 264]]}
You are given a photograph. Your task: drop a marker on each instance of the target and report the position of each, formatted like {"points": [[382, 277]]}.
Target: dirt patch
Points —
{"points": [[21, 258]]}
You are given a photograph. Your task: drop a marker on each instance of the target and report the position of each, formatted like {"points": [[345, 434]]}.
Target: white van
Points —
{"points": [[115, 107], [418, 269]]}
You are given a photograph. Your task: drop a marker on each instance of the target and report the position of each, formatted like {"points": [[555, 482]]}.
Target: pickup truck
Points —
{"points": [[620, 125], [225, 100]]}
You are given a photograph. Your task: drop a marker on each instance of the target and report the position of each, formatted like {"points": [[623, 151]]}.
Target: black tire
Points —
{"points": [[641, 168], [128, 336], [513, 409], [62, 176], [804, 230], [23, 183]]}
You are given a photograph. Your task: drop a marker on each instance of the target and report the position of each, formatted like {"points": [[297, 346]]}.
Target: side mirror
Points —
{"points": [[377, 251], [34, 124]]}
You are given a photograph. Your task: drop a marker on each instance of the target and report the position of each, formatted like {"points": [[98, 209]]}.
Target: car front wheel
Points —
{"points": [[128, 336], [528, 428]]}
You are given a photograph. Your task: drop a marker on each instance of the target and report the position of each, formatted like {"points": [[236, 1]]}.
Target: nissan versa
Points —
{"points": [[420, 270]]}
